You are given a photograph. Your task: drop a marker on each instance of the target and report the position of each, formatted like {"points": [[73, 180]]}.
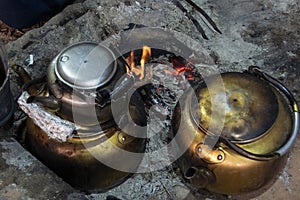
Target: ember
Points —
{"points": [[182, 66], [170, 73]]}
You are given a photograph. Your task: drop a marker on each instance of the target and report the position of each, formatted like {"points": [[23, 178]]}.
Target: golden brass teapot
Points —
{"points": [[80, 80], [236, 133]]}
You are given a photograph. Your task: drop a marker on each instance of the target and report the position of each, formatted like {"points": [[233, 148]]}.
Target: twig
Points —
{"points": [[204, 14], [195, 22]]}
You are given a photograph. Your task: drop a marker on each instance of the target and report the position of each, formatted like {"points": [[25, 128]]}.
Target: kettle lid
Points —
{"points": [[247, 109], [85, 65]]}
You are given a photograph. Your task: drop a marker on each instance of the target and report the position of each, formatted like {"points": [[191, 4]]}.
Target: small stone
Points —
{"points": [[154, 6]]}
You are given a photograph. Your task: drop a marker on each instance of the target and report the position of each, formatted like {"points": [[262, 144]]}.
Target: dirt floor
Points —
{"points": [[263, 33]]}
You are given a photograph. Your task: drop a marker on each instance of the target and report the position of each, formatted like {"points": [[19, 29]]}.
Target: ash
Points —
{"points": [[15, 156]]}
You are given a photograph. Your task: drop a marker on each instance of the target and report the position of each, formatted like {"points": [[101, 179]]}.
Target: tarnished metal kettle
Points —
{"points": [[236, 132], [6, 98], [78, 77], [80, 80]]}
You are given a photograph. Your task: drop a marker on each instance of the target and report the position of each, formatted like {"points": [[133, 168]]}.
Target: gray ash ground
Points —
{"points": [[263, 33]]}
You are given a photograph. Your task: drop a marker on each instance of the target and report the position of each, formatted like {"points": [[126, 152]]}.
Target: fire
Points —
{"points": [[180, 64], [139, 71], [130, 61]]}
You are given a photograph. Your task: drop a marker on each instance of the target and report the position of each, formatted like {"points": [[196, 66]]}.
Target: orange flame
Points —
{"points": [[130, 61], [146, 54]]}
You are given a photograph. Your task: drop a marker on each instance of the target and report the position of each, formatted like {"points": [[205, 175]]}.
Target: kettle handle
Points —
{"points": [[29, 85], [285, 148]]}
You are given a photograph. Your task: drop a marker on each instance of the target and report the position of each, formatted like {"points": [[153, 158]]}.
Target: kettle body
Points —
{"points": [[83, 158], [259, 122]]}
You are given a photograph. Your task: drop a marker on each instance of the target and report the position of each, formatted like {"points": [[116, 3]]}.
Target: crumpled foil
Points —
{"points": [[55, 127]]}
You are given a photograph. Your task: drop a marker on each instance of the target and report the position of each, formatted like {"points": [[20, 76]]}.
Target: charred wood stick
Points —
{"points": [[195, 22], [204, 14]]}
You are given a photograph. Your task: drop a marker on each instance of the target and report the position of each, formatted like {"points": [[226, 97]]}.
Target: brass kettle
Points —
{"points": [[80, 79], [236, 143]]}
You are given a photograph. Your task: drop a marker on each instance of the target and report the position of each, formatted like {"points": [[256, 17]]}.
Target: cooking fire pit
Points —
{"points": [[78, 86]]}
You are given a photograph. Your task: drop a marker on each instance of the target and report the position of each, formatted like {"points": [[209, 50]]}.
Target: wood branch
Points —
{"points": [[195, 22], [204, 14]]}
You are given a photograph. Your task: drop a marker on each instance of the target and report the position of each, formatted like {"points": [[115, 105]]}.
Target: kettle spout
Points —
{"points": [[49, 103], [199, 176]]}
